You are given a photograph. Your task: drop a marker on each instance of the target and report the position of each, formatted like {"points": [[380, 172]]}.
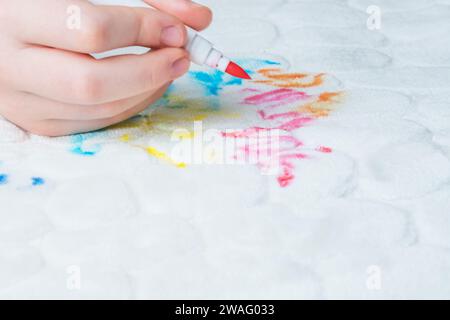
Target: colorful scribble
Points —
{"points": [[187, 109], [214, 81], [285, 109], [283, 103]]}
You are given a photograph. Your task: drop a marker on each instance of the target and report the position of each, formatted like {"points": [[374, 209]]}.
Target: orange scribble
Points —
{"points": [[277, 78], [321, 106]]}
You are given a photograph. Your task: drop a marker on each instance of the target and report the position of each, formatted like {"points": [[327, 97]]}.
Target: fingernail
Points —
{"points": [[180, 67], [172, 36], [194, 3]]}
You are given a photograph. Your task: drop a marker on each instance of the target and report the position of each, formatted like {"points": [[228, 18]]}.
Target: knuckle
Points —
{"points": [[86, 87], [160, 73], [150, 78], [94, 34]]}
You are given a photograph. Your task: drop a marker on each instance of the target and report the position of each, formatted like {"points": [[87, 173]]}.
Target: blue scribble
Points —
{"points": [[37, 181], [214, 81], [3, 179], [79, 147]]}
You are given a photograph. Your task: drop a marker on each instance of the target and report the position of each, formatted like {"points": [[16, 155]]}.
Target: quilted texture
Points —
{"points": [[358, 207]]}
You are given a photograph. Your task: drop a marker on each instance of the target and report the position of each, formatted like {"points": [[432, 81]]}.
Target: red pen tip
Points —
{"points": [[237, 71]]}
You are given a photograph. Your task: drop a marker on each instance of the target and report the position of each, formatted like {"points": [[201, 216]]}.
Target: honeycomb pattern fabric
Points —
{"points": [[357, 205]]}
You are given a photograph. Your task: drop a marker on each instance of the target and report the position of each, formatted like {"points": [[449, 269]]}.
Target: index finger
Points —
{"points": [[80, 26], [191, 13]]}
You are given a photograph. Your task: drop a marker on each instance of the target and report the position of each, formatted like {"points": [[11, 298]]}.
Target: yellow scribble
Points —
{"points": [[200, 117], [164, 157], [152, 151], [183, 135], [125, 138]]}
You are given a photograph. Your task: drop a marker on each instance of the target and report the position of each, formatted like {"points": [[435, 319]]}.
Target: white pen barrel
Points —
{"points": [[192, 34], [199, 48]]}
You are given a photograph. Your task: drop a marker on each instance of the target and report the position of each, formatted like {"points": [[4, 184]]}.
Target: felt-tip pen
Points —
{"points": [[203, 52]]}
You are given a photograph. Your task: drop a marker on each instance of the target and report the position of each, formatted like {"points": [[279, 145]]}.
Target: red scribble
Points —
{"points": [[286, 178], [294, 156], [244, 133], [250, 90], [324, 149], [265, 116], [291, 139], [294, 124], [281, 109], [276, 97]]}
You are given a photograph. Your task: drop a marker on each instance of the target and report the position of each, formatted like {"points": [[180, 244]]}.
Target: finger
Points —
{"points": [[38, 108], [192, 14], [66, 127], [80, 79], [80, 26]]}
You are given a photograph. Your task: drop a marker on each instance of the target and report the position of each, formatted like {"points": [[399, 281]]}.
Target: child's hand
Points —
{"points": [[50, 85]]}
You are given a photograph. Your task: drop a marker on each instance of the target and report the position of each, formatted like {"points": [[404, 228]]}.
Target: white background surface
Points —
{"points": [[378, 206]]}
